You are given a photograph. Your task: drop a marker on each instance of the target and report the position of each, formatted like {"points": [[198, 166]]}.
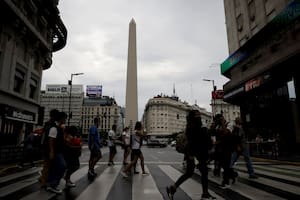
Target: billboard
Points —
{"points": [[94, 90], [217, 94], [63, 88]]}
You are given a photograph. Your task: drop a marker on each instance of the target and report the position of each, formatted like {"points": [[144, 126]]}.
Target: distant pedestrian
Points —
{"points": [[56, 154], [72, 153], [198, 145], [45, 146], [94, 147], [136, 152], [227, 144], [28, 148], [112, 145], [243, 148], [126, 144]]}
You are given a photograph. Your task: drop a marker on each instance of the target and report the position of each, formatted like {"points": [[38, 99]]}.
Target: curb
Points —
{"points": [[295, 163]]}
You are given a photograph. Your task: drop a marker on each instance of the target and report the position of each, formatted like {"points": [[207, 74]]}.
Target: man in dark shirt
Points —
{"points": [[94, 147]]}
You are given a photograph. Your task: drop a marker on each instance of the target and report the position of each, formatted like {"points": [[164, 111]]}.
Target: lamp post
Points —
{"points": [[213, 100], [70, 95]]}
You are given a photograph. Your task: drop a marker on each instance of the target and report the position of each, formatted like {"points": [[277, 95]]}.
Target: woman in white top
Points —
{"points": [[136, 141], [126, 144]]}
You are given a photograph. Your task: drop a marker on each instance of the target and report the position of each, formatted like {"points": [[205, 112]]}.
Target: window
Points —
{"points": [[240, 22], [252, 10], [19, 81], [33, 88]]}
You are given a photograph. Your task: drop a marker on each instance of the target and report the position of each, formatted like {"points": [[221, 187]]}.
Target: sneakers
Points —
{"points": [[253, 176], [225, 186], [70, 184], [54, 190], [207, 197], [124, 174], [92, 173], [136, 172], [171, 191], [145, 173]]}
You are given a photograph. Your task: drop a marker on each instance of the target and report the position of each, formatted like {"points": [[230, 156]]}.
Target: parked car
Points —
{"points": [[156, 143]]}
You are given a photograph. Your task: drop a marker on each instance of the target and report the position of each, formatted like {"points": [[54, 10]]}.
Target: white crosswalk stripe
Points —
{"points": [[150, 186], [190, 186], [143, 187], [101, 185]]}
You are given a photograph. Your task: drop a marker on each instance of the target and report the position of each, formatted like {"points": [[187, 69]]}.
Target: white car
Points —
{"points": [[173, 143]]}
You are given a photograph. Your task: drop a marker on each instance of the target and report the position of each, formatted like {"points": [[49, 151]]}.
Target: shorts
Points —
{"points": [[136, 152], [113, 149], [96, 153]]}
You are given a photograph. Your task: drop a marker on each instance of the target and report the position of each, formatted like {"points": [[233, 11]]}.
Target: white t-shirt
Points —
{"points": [[126, 136], [111, 134], [53, 132], [136, 140]]}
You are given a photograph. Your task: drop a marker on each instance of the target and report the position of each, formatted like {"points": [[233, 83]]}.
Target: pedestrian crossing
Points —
{"points": [[274, 182]]}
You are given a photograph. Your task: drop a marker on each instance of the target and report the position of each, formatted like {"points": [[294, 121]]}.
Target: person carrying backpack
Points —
{"points": [[198, 145], [45, 147]]}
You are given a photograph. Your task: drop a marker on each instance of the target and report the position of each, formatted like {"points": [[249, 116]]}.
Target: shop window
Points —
{"points": [[33, 88], [19, 81]]}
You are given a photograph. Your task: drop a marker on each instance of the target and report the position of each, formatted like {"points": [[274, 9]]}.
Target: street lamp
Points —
{"points": [[213, 100], [70, 96]]}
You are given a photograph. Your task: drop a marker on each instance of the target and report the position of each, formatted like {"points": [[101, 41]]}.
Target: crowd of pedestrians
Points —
{"points": [[219, 143]]}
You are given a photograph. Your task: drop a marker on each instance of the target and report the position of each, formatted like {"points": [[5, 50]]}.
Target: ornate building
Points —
{"points": [[104, 108], [164, 115], [30, 31]]}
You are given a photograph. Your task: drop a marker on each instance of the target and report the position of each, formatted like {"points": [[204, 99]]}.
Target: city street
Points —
{"points": [[276, 181]]}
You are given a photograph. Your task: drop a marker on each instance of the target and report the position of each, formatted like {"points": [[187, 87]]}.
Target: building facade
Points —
{"points": [[29, 32], [58, 97], [165, 115], [264, 48], [106, 109]]}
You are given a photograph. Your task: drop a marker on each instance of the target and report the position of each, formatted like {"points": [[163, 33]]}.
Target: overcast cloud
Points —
{"points": [[178, 42]]}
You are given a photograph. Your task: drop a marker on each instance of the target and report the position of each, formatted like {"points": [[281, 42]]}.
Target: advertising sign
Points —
{"points": [[63, 88], [94, 90], [218, 94]]}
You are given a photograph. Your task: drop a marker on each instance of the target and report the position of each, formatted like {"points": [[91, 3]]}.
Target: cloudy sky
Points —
{"points": [[179, 42]]}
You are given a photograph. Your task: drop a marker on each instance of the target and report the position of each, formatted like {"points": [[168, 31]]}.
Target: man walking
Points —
{"points": [[45, 145], [243, 148], [56, 156], [94, 147]]}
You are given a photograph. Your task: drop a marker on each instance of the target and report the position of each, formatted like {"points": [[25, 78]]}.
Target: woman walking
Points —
{"points": [[198, 145], [136, 143]]}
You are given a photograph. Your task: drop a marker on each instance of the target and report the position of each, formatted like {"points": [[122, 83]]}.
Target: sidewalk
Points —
{"points": [[289, 160], [11, 168]]}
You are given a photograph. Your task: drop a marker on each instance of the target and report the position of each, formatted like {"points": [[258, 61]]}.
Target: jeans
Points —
{"points": [[56, 170], [190, 171], [245, 152]]}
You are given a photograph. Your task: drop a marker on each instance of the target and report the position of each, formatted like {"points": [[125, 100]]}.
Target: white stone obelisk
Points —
{"points": [[131, 104]]}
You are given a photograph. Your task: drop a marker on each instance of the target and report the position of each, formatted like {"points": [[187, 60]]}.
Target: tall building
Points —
{"points": [[131, 104], [106, 110], [30, 31], [264, 47], [165, 115], [58, 97]]}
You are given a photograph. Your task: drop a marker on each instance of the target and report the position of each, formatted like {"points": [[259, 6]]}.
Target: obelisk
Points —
{"points": [[131, 104]]}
